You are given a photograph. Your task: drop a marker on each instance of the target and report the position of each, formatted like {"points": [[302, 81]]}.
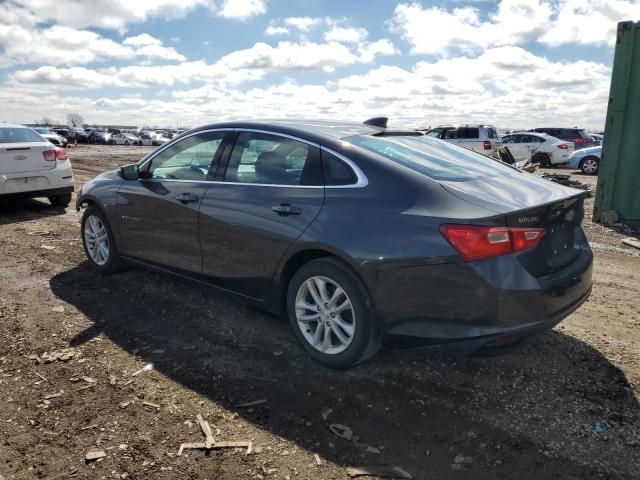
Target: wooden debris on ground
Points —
{"points": [[251, 404], [632, 242], [210, 442], [95, 455], [381, 471]]}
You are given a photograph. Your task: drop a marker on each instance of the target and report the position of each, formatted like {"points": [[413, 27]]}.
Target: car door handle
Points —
{"points": [[285, 209], [187, 198]]}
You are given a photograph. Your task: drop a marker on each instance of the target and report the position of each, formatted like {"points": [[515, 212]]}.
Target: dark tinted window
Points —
{"points": [[273, 160], [337, 172], [19, 135], [468, 132], [450, 134], [435, 133], [507, 139], [188, 159], [491, 133], [431, 157]]}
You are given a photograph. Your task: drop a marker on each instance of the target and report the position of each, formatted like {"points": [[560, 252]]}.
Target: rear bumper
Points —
{"points": [[471, 305], [49, 192]]}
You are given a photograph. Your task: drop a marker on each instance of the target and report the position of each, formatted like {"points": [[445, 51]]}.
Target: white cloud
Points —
{"points": [[346, 35], [304, 24], [589, 22], [110, 14], [272, 30], [58, 45], [437, 31], [149, 46], [242, 9]]}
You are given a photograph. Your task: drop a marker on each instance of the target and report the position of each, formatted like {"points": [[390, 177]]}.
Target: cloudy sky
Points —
{"points": [[518, 63]]}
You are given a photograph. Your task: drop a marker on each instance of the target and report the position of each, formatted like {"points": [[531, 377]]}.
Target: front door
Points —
{"points": [[158, 214], [272, 191]]}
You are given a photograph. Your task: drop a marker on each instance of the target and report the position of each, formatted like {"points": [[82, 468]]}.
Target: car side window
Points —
{"points": [[534, 139], [189, 159], [271, 159], [435, 133], [336, 171], [507, 139], [450, 134]]}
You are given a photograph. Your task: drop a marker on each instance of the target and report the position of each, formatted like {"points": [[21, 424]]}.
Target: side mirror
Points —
{"points": [[130, 172]]}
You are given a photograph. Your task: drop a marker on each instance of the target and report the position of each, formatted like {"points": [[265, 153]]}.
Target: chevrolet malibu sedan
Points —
{"points": [[31, 166], [359, 233]]}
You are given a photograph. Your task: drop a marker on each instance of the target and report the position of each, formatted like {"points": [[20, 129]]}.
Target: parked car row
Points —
{"points": [[544, 146]]}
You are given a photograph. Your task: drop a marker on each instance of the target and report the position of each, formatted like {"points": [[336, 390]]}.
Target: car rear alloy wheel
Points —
{"points": [[332, 314], [590, 166], [325, 315]]}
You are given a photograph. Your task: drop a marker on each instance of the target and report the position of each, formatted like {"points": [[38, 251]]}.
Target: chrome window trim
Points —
{"points": [[361, 182]]}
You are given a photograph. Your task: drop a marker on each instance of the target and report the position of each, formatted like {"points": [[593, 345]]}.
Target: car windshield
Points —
{"points": [[44, 130], [19, 135], [431, 157]]}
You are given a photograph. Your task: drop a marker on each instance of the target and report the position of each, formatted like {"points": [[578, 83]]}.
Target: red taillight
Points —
{"points": [[487, 145], [563, 146], [579, 140], [477, 242], [49, 155], [62, 154]]}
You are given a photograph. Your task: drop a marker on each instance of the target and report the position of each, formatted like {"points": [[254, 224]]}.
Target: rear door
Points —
{"points": [[469, 137], [270, 193], [158, 214], [518, 149]]}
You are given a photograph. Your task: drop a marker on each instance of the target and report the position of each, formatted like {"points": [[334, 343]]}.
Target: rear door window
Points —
{"points": [[469, 133], [270, 159]]}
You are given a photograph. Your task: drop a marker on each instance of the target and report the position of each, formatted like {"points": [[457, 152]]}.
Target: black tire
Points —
{"points": [[590, 170], [126, 142], [366, 339], [542, 159], [62, 200], [114, 263]]}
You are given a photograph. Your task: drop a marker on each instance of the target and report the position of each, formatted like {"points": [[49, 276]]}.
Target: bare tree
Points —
{"points": [[46, 121], [74, 120]]}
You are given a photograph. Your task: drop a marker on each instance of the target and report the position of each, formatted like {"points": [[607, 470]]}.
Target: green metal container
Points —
{"points": [[619, 176]]}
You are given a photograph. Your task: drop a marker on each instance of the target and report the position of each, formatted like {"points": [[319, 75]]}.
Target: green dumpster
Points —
{"points": [[619, 176]]}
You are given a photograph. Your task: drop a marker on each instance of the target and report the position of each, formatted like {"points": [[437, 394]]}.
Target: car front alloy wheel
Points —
{"points": [[98, 241]]}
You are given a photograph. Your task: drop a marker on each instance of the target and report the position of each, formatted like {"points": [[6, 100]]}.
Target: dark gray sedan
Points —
{"points": [[361, 234]]}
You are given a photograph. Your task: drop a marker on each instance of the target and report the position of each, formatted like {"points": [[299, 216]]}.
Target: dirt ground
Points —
{"points": [[563, 406]]}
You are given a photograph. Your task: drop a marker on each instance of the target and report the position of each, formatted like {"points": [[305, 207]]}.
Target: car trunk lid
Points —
{"points": [[25, 157], [528, 201]]}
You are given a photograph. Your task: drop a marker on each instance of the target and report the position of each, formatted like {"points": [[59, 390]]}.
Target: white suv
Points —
{"points": [[32, 167], [479, 138]]}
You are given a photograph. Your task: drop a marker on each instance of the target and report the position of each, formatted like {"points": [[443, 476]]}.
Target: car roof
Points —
{"points": [[303, 128]]}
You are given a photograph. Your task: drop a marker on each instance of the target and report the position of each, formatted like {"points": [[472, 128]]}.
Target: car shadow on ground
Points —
{"points": [[511, 414], [27, 209]]}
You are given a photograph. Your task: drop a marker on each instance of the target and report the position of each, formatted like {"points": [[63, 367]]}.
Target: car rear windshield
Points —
{"points": [[431, 157], [19, 135]]}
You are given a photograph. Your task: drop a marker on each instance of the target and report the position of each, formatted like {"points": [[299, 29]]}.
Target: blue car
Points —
{"points": [[586, 159]]}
